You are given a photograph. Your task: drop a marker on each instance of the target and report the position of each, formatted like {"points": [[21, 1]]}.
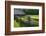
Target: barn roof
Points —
{"points": [[20, 12]]}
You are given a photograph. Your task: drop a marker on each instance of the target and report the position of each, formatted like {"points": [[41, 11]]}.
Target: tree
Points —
{"points": [[31, 11]]}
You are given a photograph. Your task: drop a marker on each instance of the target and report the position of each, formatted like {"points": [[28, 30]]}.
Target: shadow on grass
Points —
{"points": [[22, 24]]}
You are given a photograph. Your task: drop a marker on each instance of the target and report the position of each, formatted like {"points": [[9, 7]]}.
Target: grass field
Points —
{"points": [[34, 19]]}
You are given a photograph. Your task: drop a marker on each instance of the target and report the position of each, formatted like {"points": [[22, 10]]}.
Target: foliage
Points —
{"points": [[31, 11]]}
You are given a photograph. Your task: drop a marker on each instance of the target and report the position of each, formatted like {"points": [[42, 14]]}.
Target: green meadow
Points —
{"points": [[34, 19]]}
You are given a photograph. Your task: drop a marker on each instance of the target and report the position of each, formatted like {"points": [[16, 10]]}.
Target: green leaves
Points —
{"points": [[31, 11]]}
